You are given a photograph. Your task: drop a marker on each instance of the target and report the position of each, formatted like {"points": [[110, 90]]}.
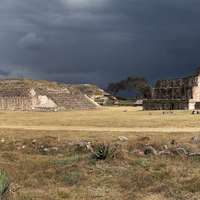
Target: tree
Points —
{"points": [[114, 88], [136, 85], [133, 83], [144, 90]]}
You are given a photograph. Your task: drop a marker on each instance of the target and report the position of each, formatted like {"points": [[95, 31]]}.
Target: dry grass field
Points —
{"points": [[39, 150]]}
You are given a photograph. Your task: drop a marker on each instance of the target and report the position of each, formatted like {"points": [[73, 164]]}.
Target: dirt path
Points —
{"points": [[109, 129]]}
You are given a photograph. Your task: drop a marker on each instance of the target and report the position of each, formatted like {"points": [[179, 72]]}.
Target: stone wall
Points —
{"points": [[179, 93], [183, 93], [189, 81], [17, 92], [180, 88], [15, 103], [161, 104], [197, 106]]}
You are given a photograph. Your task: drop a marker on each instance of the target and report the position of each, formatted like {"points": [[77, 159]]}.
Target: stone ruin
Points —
{"points": [[175, 94], [26, 94]]}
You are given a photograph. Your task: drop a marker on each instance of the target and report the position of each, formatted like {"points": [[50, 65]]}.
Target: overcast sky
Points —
{"points": [[99, 41]]}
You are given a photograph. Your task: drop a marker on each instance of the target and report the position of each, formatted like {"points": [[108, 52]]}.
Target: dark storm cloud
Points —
{"points": [[31, 42], [99, 41], [4, 73]]}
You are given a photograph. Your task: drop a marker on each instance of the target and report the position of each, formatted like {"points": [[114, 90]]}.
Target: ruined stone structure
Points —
{"points": [[175, 94], [24, 94]]}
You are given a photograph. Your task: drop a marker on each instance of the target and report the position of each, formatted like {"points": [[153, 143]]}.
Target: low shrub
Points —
{"points": [[121, 98]]}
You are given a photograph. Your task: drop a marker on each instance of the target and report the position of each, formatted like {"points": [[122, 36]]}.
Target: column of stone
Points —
{"points": [[22, 103], [16, 103], [5, 102], [1, 103]]}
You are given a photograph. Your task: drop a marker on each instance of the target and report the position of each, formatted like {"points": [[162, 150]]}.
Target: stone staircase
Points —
{"points": [[72, 101]]}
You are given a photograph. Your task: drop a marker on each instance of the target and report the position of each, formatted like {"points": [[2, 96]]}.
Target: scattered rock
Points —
{"points": [[71, 144], [149, 113], [174, 142], [82, 144], [2, 140], [125, 111], [165, 147], [181, 151], [34, 141], [23, 147], [194, 154], [55, 148], [89, 146], [165, 152], [150, 150], [122, 138], [194, 139], [45, 149]]}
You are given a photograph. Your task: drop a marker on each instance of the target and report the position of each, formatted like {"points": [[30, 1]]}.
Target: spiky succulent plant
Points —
{"points": [[104, 152], [4, 184]]}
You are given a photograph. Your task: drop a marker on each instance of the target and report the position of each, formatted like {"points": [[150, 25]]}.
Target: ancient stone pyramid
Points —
{"points": [[41, 95]]}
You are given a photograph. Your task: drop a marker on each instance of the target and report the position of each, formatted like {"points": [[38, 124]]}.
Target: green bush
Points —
{"points": [[121, 98]]}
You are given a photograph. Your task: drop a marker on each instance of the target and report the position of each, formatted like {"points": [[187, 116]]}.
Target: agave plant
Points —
{"points": [[4, 184], [104, 152]]}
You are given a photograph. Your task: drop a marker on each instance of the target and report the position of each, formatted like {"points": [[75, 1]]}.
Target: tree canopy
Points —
{"points": [[135, 85], [114, 88]]}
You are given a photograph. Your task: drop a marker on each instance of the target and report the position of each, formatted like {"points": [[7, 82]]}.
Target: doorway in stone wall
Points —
{"points": [[172, 106]]}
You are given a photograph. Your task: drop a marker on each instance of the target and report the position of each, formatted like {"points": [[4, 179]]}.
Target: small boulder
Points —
{"points": [[122, 138], [165, 147], [150, 150], [34, 141], [82, 144], [89, 146], [181, 151], [194, 139], [165, 152], [194, 154]]}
